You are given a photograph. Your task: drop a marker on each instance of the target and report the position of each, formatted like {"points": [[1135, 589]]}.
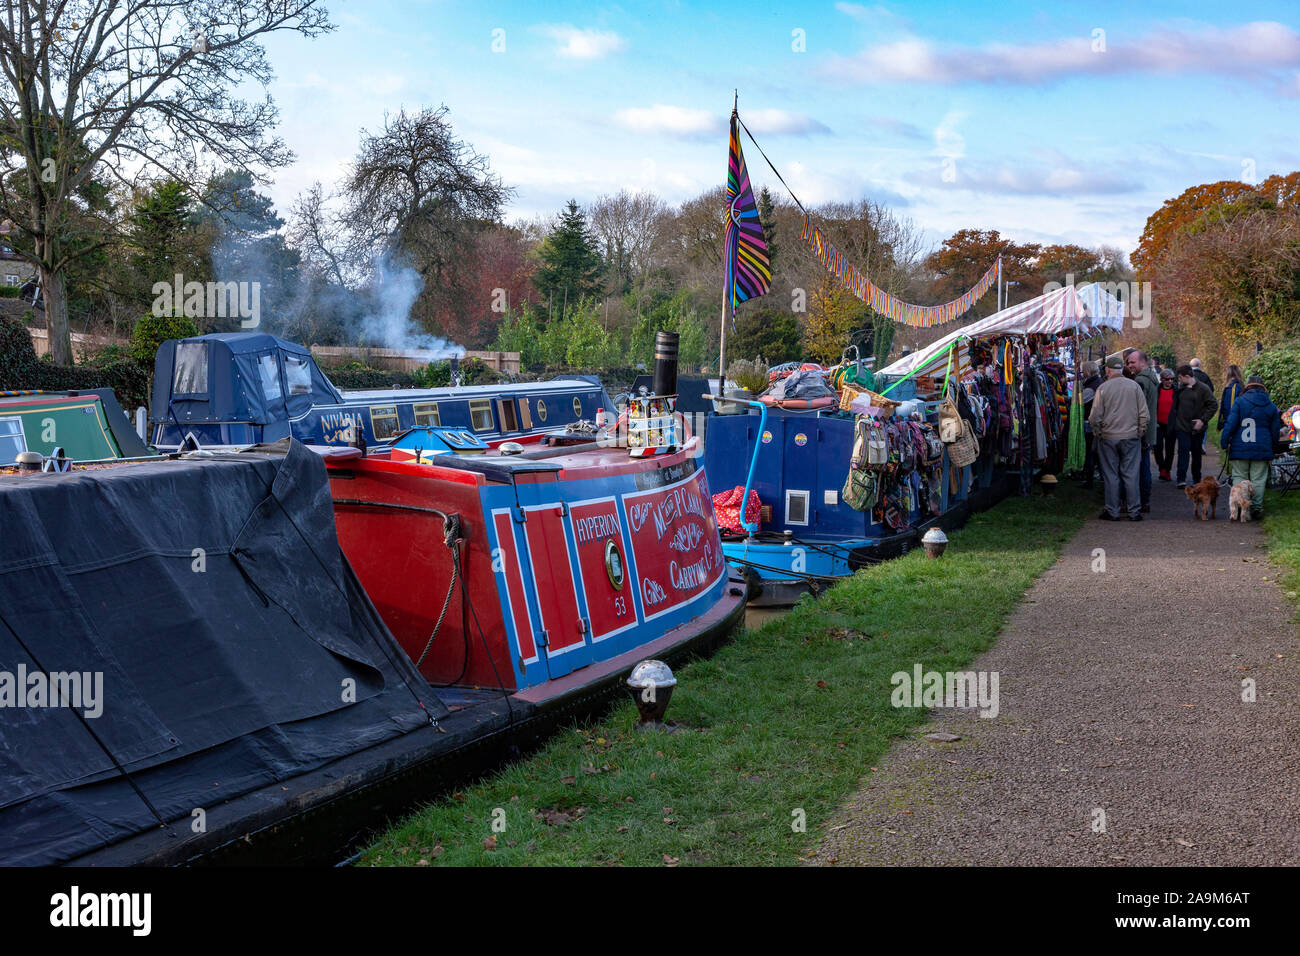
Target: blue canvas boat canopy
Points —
{"points": [[238, 377]]}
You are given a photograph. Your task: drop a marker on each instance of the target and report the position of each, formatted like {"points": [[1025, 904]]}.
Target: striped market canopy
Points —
{"points": [[1086, 309]]}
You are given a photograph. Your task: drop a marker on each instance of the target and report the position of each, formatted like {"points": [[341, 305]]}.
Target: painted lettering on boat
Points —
{"points": [[596, 527], [337, 426], [652, 592], [687, 537], [659, 477], [691, 576], [679, 502], [637, 513], [675, 544], [611, 608]]}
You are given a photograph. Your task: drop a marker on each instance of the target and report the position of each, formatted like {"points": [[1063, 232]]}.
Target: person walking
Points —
{"points": [[1138, 368], [1166, 439], [1249, 432], [1233, 386], [1119, 423], [1091, 382], [1194, 405], [1203, 377]]}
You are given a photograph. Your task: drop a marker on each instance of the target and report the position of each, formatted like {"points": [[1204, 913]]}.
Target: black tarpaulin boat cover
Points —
{"points": [[234, 646]]}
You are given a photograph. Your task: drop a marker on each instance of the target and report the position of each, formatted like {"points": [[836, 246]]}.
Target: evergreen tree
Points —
{"points": [[767, 219], [570, 266]]}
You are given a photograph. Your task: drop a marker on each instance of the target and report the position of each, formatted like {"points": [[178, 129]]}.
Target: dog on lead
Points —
{"points": [[1239, 501], [1204, 495]]}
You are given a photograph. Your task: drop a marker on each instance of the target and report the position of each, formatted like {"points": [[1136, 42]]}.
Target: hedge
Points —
{"points": [[354, 375], [1280, 369], [357, 376], [21, 369]]}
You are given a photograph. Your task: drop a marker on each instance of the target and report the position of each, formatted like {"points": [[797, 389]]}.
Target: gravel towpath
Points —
{"points": [[1122, 737]]}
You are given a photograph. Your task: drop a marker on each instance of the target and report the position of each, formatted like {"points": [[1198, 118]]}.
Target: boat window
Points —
{"points": [[270, 377], [577, 407], [541, 410], [480, 414], [191, 376], [12, 440], [297, 372], [796, 507], [506, 412], [427, 414], [383, 421]]}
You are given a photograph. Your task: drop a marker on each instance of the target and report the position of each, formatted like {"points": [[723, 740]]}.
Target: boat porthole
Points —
{"points": [[577, 407], [541, 409], [614, 564]]}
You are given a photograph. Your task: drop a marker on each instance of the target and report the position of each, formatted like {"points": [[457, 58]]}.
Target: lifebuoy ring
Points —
{"points": [[826, 401]]}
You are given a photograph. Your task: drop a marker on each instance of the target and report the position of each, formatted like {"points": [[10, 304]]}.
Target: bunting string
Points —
{"points": [[922, 316]]}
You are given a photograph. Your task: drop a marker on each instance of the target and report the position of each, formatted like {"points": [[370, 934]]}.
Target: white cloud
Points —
{"points": [[579, 44], [779, 122], [688, 123], [1060, 179], [672, 120], [1251, 50]]}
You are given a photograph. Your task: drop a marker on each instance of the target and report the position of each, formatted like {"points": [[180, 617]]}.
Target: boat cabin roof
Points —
{"points": [[559, 385]]}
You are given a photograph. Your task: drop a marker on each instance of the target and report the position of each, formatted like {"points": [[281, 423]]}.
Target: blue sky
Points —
{"points": [[1020, 117]]}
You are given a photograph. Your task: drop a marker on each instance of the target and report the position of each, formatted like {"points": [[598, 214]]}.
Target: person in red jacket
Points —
{"points": [[1166, 438]]}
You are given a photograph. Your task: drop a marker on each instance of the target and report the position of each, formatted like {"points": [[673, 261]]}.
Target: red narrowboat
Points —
{"points": [[542, 573]]}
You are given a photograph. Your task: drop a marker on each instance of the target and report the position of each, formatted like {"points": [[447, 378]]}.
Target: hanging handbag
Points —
{"points": [[949, 418], [964, 451], [860, 488]]}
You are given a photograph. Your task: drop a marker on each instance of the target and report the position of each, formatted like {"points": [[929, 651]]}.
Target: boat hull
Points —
{"points": [[331, 813]]}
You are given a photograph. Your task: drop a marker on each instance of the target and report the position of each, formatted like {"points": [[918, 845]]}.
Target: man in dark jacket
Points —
{"points": [[1091, 382], [1203, 377], [1249, 432], [1193, 406], [1138, 368]]}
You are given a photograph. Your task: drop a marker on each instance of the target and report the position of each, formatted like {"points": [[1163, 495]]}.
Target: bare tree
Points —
{"points": [[134, 87], [319, 236], [631, 229], [697, 236], [420, 196], [414, 186]]}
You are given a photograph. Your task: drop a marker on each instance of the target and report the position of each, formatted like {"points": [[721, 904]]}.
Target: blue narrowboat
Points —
{"points": [[807, 536], [236, 389]]}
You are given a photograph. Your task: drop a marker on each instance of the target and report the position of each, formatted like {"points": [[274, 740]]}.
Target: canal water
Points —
{"points": [[756, 617]]}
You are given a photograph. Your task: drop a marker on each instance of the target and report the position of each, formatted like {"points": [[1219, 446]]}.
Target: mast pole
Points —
{"points": [[729, 278], [1000, 305]]}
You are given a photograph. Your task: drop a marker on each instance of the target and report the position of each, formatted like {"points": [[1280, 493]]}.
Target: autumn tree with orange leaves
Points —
{"points": [[968, 253], [1224, 263], [1179, 213]]}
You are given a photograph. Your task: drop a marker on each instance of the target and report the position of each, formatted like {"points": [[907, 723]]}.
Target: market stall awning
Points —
{"points": [[1085, 309]]}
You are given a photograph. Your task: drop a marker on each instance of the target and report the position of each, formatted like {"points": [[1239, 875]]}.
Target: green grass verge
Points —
{"points": [[788, 717], [1282, 526]]}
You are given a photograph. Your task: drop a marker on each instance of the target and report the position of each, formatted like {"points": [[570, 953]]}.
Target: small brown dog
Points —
{"points": [[1239, 501], [1204, 495]]}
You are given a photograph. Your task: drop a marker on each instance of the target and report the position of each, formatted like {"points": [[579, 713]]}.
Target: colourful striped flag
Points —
{"points": [[749, 268]]}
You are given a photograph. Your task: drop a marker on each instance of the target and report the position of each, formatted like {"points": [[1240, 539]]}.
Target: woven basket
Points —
{"points": [[849, 394], [965, 449]]}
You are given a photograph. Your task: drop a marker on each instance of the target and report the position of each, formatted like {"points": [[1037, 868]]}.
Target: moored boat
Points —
{"points": [[266, 712], [85, 424], [513, 571], [236, 389], [805, 535]]}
